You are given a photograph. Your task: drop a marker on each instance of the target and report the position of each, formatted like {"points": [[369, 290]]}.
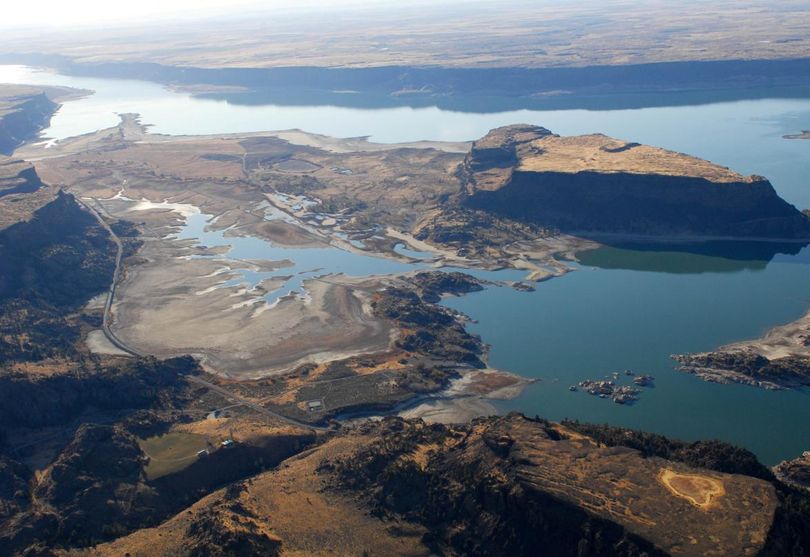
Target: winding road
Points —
{"points": [[119, 254], [118, 343]]}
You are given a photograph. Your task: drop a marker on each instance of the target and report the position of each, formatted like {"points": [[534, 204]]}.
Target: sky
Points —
{"points": [[63, 13]]}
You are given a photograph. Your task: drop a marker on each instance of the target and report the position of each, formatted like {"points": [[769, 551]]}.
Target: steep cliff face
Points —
{"points": [[499, 148], [22, 115], [598, 184], [17, 177], [46, 400], [52, 265]]}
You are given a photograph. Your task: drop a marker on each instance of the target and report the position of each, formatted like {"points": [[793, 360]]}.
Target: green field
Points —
{"points": [[171, 452]]}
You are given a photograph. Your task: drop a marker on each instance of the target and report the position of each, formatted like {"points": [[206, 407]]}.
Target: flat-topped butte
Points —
{"points": [[600, 153], [597, 184]]}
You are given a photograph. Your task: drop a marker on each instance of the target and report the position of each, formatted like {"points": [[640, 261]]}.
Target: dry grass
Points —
{"points": [[600, 153], [461, 34], [171, 452], [699, 490], [683, 510], [294, 506]]}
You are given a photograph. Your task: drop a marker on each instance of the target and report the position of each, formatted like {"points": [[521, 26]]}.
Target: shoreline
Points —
{"points": [[779, 360], [584, 86]]}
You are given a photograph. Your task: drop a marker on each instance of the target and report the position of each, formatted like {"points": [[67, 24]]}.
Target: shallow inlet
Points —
{"points": [[307, 263]]}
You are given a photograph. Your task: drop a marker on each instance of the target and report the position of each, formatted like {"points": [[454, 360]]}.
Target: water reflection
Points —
{"points": [[489, 104], [693, 258]]}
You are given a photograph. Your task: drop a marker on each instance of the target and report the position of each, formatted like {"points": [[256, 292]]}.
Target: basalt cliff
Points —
{"points": [[596, 184], [24, 111]]}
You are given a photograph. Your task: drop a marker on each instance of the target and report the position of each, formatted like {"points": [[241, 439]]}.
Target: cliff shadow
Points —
{"points": [[713, 256]]}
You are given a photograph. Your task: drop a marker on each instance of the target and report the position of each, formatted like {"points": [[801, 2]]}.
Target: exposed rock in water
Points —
{"points": [[596, 184], [434, 284], [748, 368], [432, 330], [620, 394], [643, 380]]}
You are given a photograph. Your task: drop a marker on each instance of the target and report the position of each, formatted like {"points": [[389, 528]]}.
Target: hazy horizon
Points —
{"points": [[89, 13]]}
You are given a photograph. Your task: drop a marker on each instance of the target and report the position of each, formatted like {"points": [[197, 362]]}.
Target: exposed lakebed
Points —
{"points": [[623, 308]]}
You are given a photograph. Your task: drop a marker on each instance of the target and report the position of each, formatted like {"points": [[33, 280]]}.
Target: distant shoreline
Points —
{"points": [[479, 90]]}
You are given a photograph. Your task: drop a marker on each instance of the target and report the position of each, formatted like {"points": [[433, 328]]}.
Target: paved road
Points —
{"points": [[119, 254], [252, 405], [105, 327]]}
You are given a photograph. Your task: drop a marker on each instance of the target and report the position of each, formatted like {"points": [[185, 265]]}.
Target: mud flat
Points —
{"points": [[468, 397], [99, 344], [171, 305], [783, 341]]}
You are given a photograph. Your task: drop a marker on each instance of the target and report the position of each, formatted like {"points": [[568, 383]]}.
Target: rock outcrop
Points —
{"points": [[748, 368], [796, 472], [52, 265], [93, 486], [497, 486], [39, 400], [17, 177], [24, 112], [230, 527], [596, 184], [507, 486]]}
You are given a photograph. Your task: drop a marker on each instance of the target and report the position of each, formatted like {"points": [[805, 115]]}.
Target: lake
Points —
{"points": [[744, 135], [625, 307], [595, 321]]}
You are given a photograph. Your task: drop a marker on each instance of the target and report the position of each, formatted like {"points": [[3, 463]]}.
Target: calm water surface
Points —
{"points": [[622, 308], [595, 321], [745, 135]]}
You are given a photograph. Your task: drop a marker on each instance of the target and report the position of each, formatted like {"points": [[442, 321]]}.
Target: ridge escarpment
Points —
{"points": [[24, 112], [594, 184]]}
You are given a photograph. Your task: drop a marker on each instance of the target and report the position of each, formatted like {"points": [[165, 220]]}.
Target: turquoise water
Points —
{"points": [[623, 308], [595, 321]]}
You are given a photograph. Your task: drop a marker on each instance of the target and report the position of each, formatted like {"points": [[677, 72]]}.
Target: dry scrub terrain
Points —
{"points": [[456, 34]]}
